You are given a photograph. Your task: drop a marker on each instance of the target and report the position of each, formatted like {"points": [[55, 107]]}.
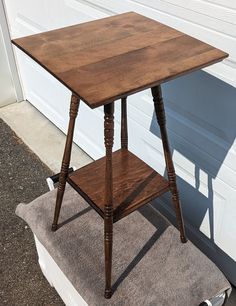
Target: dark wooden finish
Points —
{"points": [[160, 114], [134, 183], [124, 125], [102, 61], [121, 54], [108, 195], [66, 159]]}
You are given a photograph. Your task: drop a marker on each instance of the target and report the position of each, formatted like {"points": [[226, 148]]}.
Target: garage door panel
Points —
{"points": [[203, 147], [190, 116], [47, 15], [204, 194]]}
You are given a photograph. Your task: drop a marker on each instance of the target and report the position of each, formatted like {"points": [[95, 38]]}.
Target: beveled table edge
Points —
{"points": [[93, 105]]}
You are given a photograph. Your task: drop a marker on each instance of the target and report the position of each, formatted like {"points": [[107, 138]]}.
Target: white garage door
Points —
{"points": [[200, 110], [7, 92]]}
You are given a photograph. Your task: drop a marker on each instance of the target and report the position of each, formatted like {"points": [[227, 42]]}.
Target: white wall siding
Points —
{"points": [[7, 93], [10, 83]]}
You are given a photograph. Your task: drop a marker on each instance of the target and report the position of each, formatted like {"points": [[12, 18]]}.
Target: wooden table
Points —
{"points": [[103, 61]]}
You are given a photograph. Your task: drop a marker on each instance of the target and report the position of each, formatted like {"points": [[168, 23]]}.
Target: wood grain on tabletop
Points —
{"points": [[110, 58]]}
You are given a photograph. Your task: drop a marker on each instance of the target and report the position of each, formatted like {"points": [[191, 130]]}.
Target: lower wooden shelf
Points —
{"points": [[134, 183]]}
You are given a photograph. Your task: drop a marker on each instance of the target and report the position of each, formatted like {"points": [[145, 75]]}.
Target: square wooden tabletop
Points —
{"points": [[104, 60]]}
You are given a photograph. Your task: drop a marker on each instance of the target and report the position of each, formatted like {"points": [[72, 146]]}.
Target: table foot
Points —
{"points": [[108, 294], [183, 239], [54, 227]]}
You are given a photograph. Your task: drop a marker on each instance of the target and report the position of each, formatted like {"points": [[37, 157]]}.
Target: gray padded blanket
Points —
{"points": [[150, 264]]}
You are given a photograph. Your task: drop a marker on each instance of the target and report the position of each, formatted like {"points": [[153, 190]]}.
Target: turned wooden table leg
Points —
{"points": [[108, 213], [124, 129], [66, 159], [160, 114]]}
